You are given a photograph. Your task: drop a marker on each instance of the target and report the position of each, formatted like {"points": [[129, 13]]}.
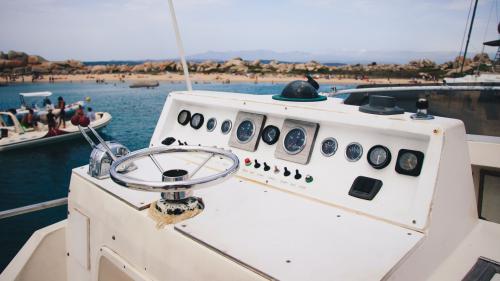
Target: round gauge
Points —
{"points": [[379, 156], [354, 151], [184, 117], [270, 134], [211, 124], [328, 147], [295, 141], [226, 126], [245, 131], [197, 121], [408, 161]]}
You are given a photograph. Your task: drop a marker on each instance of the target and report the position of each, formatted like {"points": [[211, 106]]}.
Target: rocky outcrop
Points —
{"points": [[20, 63]]}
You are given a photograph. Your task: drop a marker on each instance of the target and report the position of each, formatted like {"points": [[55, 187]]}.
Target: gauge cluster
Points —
{"points": [[295, 141]]}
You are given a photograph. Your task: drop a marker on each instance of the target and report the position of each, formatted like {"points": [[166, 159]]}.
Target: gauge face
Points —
{"points": [[379, 156], [211, 124], [245, 131], [353, 152], [197, 121], [328, 147], [184, 117], [409, 162], [226, 126], [270, 134], [294, 141]]}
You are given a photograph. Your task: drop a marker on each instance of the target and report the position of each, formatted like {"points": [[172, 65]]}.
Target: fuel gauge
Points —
{"points": [[379, 156]]}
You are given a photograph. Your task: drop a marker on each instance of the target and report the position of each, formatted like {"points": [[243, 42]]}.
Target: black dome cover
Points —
{"points": [[302, 91]]}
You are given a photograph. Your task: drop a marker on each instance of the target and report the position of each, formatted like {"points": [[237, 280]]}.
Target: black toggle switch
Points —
{"points": [[180, 143], [286, 173], [168, 141], [257, 164], [266, 167], [185, 143], [297, 175]]}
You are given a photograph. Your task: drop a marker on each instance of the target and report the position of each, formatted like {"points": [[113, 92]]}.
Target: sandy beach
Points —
{"points": [[198, 78]]}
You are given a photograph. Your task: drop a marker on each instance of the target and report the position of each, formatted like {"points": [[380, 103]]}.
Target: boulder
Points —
{"points": [[98, 69], [32, 59]]}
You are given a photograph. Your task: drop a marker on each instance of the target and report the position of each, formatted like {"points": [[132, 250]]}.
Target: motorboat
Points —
{"points": [[14, 135], [288, 187], [40, 103], [145, 84]]}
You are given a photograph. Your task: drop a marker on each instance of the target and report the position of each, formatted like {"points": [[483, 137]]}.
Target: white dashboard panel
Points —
{"points": [[402, 199]]}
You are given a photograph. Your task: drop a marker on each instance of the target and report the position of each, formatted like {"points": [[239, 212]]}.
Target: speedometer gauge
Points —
{"points": [[353, 152], [245, 131], [328, 147], [295, 140], [226, 126], [379, 156], [197, 121], [270, 134], [211, 124]]}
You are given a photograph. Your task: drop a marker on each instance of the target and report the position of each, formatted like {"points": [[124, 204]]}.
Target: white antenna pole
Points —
{"points": [[179, 46]]}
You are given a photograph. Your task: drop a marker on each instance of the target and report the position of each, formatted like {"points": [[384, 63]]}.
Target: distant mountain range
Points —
{"points": [[332, 58]]}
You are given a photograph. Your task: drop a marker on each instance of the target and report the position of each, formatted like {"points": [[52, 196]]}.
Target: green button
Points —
{"points": [[309, 179]]}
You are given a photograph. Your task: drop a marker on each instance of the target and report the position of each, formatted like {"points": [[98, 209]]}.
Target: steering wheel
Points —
{"points": [[177, 182]]}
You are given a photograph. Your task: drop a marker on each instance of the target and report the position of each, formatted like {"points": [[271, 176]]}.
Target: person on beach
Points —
{"points": [[29, 120], [91, 114], [61, 104]]}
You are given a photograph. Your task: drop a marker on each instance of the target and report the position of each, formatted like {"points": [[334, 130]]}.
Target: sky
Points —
{"points": [[91, 30]]}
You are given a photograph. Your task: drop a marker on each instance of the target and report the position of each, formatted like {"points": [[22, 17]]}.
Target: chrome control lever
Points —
{"points": [[104, 153]]}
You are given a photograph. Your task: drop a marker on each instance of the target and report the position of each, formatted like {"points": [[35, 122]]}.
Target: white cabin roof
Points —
{"points": [[36, 94]]}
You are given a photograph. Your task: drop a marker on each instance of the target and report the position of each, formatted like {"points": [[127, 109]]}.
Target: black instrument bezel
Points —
{"points": [[188, 119], [385, 163], [420, 161], [275, 139], [201, 122]]}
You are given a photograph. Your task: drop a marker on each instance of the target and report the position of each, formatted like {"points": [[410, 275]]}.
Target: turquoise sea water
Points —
{"points": [[42, 173]]}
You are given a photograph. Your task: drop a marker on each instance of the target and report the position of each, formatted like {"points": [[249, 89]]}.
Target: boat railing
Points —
{"points": [[33, 208], [16, 125]]}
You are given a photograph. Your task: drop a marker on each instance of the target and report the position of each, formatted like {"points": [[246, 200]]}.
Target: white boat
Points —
{"points": [[41, 109], [295, 187], [14, 135]]}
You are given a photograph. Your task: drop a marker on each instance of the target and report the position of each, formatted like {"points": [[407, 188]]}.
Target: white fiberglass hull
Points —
{"points": [[36, 138]]}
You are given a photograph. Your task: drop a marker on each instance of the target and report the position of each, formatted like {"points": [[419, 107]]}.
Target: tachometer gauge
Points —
{"points": [[295, 141], [353, 152], [328, 147], [197, 121], [379, 156], [245, 131], [270, 134], [409, 162], [211, 124], [226, 126], [184, 117]]}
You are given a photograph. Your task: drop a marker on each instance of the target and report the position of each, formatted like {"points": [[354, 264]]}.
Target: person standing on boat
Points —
{"points": [[61, 104], [91, 114], [51, 122]]}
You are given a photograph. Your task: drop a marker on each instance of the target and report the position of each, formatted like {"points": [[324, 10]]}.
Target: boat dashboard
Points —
{"points": [[378, 165]]}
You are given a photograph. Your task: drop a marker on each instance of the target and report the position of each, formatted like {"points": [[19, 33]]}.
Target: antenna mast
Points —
{"points": [[468, 37], [179, 45]]}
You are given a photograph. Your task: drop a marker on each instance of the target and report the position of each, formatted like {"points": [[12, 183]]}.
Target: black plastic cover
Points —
{"points": [[365, 188], [381, 105]]}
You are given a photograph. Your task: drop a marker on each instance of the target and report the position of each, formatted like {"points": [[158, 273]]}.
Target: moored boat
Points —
{"points": [[14, 135]]}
